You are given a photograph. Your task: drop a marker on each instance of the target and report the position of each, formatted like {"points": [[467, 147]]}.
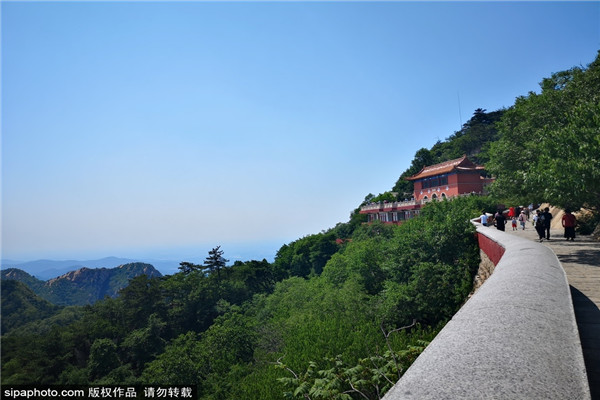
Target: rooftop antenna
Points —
{"points": [[459, 112]]}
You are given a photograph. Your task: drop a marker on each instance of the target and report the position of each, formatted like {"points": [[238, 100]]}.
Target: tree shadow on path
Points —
{"points": [[590, 257], [583, 251]]}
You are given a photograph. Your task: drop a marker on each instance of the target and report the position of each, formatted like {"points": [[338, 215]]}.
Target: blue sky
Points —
{"points": [[151, 129]]}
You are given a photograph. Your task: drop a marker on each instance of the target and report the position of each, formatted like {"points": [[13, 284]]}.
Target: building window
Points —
{"points": [[434, 181]]}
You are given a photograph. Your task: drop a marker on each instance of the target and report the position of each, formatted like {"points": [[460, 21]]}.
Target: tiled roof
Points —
{"points": [[463, 164]]}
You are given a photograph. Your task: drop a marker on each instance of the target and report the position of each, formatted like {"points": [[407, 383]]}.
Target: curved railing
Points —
{"points": [[516, 337]]}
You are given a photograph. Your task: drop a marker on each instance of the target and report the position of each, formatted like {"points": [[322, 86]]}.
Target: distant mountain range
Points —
{"points": [[48, 269], [81, 286]]}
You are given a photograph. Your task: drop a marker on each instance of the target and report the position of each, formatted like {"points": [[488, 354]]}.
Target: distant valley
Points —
{"points": [[81, 286]]}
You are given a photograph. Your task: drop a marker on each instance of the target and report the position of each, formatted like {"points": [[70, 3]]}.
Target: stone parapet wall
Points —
{"points": [[515, 338]]}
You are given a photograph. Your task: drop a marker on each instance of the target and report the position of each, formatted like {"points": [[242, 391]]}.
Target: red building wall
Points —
{"points": [[458, 183], [470, 182]]}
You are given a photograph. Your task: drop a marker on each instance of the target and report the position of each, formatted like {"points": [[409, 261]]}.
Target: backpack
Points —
{"points": [[540, 221]]}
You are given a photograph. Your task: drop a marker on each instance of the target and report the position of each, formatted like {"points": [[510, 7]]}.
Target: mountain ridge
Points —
{"points": [[83, 285], [46, 268]]}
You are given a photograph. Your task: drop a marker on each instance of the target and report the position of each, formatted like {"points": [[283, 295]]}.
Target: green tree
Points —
{"points": [[306, 255], [188, 267], [142, 345], [215, 262], [206, 360], [177, 365], [362, 260], [21, 305], [140, 299], [549, 144], [257, 276], [404, 188], [103, 358]]}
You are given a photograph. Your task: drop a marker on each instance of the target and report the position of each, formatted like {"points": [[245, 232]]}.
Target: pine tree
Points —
{"points": [[215, 262]]}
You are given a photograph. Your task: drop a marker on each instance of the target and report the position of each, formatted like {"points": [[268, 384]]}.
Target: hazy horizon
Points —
{"points": [[151, 128], [233, 252]]}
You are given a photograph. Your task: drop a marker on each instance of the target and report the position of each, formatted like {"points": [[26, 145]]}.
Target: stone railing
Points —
{"points": [[389, 205], [515, 338]]}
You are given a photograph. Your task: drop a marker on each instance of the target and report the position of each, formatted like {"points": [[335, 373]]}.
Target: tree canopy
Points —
{"points": [[549, 146]]}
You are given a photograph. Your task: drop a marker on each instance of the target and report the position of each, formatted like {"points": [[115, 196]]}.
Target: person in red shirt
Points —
{"points": [[568, 222]]}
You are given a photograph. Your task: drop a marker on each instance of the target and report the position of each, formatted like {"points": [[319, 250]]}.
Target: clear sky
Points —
{"points": [[162, 129]]}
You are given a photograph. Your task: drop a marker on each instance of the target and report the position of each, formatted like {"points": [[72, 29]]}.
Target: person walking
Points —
{"points": [[569, 222], [523, 219], [538, 220], [499, 220], [514, 223], [547, 220]]}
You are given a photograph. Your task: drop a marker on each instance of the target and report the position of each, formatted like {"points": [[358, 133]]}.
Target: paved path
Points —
{"points": [[581, 261]]}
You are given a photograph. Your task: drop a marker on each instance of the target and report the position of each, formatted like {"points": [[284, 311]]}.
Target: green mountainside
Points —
{"points": [[21, 305], [83, 286], [237, 331]]}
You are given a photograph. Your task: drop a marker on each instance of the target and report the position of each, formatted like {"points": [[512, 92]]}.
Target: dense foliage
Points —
{"points": [[323, 318], [22, 305]]}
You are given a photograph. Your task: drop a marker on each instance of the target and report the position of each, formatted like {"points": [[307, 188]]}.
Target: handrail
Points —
{"points": [[515, 338]]}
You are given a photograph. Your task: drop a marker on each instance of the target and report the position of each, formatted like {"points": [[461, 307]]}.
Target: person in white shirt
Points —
{"points": [[484, 219]]}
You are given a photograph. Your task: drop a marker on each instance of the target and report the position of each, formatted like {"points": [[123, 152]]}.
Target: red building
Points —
{"points": [[445, 180]]}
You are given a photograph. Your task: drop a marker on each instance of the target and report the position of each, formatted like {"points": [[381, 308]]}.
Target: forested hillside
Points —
{"points": [[245, 328], [338, 315], [21, 305]]}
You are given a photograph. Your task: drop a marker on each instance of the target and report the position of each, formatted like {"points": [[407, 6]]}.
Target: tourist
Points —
{"points": [[483, 219], [523, 219], [538, 220], [547, 220], [499, 220], [568, 222], [514, 223], [511, 212]]}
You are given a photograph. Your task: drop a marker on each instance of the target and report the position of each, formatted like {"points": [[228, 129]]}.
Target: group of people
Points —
{"points": [[541, 223], [542, 220]]}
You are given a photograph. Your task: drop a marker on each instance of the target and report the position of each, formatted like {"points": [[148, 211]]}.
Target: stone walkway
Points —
{"points": [[581, 261]]}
